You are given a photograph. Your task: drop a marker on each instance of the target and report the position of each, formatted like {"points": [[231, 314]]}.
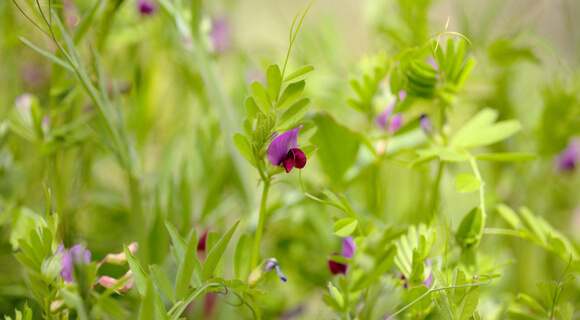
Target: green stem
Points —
{"points": [[260, 229], [435, 192], [481, 189]]}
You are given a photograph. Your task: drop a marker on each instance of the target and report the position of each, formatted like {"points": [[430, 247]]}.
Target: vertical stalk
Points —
{"points": [[434, 202], [260, 229]]}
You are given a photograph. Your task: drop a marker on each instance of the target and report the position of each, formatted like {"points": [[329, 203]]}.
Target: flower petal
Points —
{"points": [[348, 247], [383, 118], [395, 123], [280, 146], [299, 158], [288, 162], [337, 267]]}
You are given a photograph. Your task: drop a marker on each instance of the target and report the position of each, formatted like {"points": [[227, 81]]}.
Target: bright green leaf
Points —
{"points": [[216, 253], [274, 81], [466, 182], [244, 147], [299, 74], [292, 92], [261, 97], [186, 266], [345, 227], [294, 113]]}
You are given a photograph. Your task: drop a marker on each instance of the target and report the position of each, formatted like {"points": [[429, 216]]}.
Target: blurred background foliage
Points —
{"points": [[180, 166]]}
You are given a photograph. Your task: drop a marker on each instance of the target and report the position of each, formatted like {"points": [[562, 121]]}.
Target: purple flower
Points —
{"points": [[426, 124], [272, 264], [220, 35], [568, 158], [283, 151], [74, 256], [387, 120], [348, 251], [146, 7]]}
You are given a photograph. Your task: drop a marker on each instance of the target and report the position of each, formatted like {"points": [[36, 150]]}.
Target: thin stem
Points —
{"points": [[435, 192], [443, 288], [481, 188], [260, 229]]}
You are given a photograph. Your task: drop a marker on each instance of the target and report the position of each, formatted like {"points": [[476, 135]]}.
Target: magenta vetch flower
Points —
{"points": [[74, 256], [568, 158], [348, 251], [284, 151], [220, 35], [146, 7]]}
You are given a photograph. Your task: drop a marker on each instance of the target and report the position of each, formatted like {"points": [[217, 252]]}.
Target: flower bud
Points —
{"points": [[262, 270], [119, 258]]}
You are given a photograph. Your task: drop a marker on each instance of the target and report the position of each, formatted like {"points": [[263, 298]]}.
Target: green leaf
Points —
{"points": [[466, 182], [274, 81], [385, 261], [74, 300], [244, 147], [415, 293], [294, 113], [242, 255], [471, 228], [531, 220], [147, 308], [345, 227], [338, 146], [47, 55], [299, 74], [186, 266], [453, 155], [336, 295], [162, 282], [292, 92], [489, 135], [507, 157], [510, 216], [251, 109], [481, 120], [141, 278], [178, 242], [192, 296], [261, 97], [216, 252]]}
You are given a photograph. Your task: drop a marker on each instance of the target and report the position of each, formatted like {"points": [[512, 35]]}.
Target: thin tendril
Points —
{"points": [[30, 19], [444, 288]]}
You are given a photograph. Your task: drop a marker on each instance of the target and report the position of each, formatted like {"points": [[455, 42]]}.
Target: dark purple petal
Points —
{"points": [[278, 149], [348, 247], [146, 7], [202, 241], [299, 158], [568, 159], [288, 163], [337, 267]]}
